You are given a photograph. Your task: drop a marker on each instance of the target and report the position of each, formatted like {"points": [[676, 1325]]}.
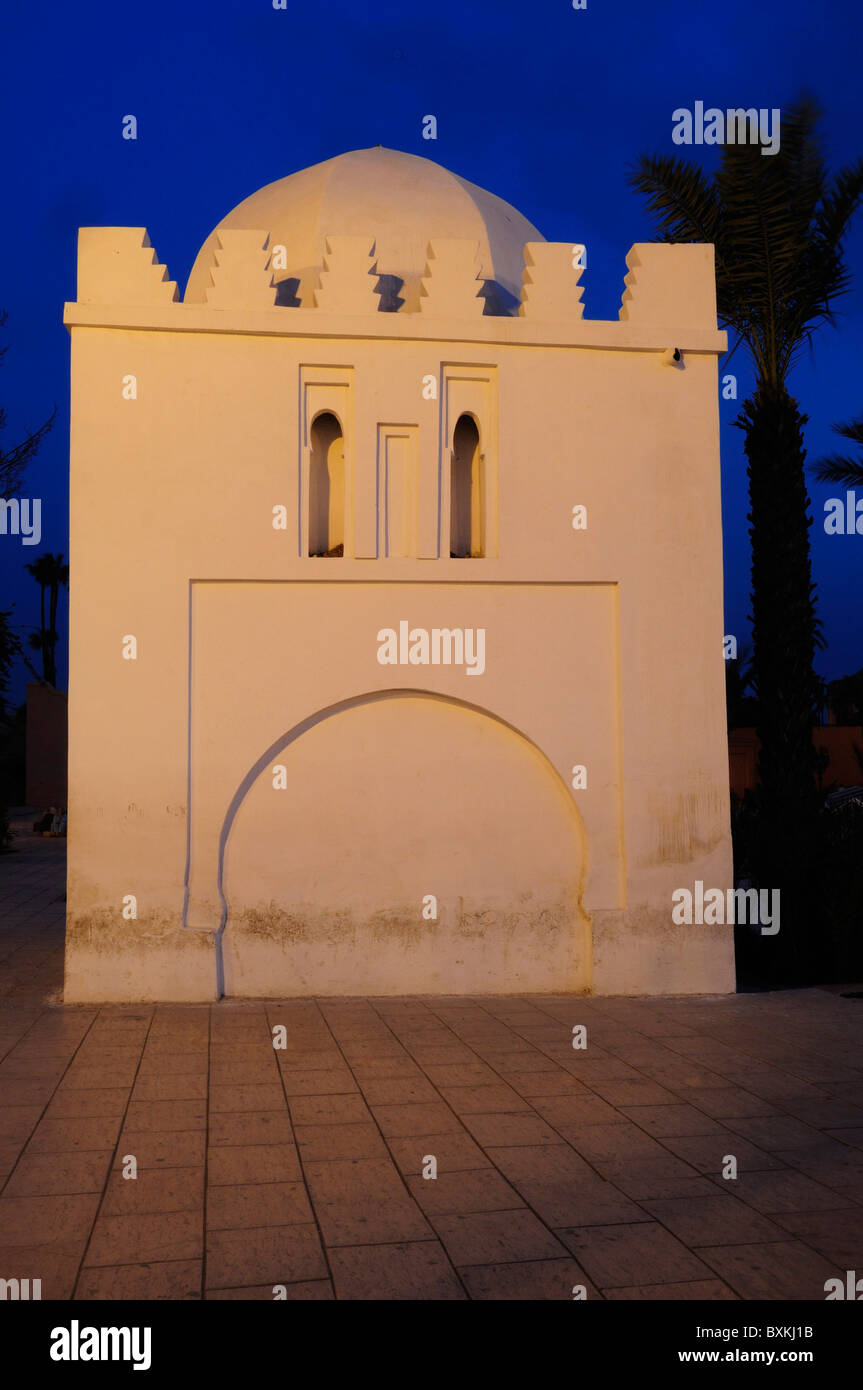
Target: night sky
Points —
{"points": [[542, 104]]}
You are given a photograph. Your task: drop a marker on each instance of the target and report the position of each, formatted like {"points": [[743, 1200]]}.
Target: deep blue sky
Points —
{"points": [[544, 105]]}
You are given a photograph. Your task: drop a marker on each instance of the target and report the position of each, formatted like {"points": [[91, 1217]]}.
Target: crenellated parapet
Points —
{"points": [[241, 276], [348, 276], [117, 265], [670, 283], [550, 282], [451, 284], [669, 288]]}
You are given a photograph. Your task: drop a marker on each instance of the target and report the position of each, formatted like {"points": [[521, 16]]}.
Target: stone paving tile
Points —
{"points": [[162, 1190], [385, 1069], [309, 1059], [535, 1280], [471, 1074], [164, 1116], [318, 1083], [480, 1238], [419, 1270], [312, 1290], [458, 1060], [247, 1127], [329, 1110], [575, 1113], [672, 1121], [364, 1201], [776, 1131], [18, 1122], [246, 1098], [637, 1091], [541, 1162], [262, 1072], [783, 1270], [619, 1142], [171, 1086], [699, 1290], [56, 1265], [707, 1152], [483, 1100], [402, 1121], [58, 1174], [162, 1150], [837, 1235], [830, 1161], [172, 1063], [513, 1128], [656, 1178], [784, 1191], [339, 1141], [81, 1077], [532, 1084], [583, 1201], [718, 1220], [177, 1280], [247, 1205], [252, 1163], [142, 1238], [394, 1090], [71, 1105], [848, 1136], [522, 1062], [68, 1136], [276, 1255], [454, 1153], [460, 1193], [620, 1255], [47, 1220], [728, 1102], [34, 1094]]}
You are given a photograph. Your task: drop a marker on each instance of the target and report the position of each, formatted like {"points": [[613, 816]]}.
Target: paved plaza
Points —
{"points": [[303, 1166]]}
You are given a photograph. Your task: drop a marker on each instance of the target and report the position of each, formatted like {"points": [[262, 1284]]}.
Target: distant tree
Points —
{"points": [[13, 461], [740, 702], [10, 649], [50, 572], [845, 698], [839, 468]]}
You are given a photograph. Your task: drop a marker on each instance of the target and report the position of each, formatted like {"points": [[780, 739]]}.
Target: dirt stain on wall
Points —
{"points": [[685, 828]]}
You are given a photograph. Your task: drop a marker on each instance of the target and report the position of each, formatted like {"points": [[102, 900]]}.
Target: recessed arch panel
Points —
{"points": [[403, 842]]}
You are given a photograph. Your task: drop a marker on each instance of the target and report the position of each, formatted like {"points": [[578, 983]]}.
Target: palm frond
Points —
{"points": [[839, 468], [777, 224]]}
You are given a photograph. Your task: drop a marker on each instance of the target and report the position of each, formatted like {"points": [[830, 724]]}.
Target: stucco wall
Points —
{"points": [[603, 644]]}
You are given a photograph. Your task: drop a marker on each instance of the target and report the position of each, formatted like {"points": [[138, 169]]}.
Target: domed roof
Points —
{"points": [[401, 202]]}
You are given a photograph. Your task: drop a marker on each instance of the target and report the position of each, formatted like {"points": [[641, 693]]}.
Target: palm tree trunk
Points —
{"points": [[785, 633], [43, 631], [52, 632]]}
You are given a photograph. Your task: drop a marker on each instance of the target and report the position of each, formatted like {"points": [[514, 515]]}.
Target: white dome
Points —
{"points": [[401, 202]]}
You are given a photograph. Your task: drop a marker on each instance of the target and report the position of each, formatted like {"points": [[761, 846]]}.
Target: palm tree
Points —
{"points": [[839, 468], [50, 572], [10, 648], [777, 224]]}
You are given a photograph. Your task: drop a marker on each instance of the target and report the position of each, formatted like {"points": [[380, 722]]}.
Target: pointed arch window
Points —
{"points": [[327, 487], [466, 492]]}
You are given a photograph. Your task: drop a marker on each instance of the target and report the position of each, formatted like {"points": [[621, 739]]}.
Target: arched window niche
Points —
{"points": [[327, 487], [466, 492]]}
